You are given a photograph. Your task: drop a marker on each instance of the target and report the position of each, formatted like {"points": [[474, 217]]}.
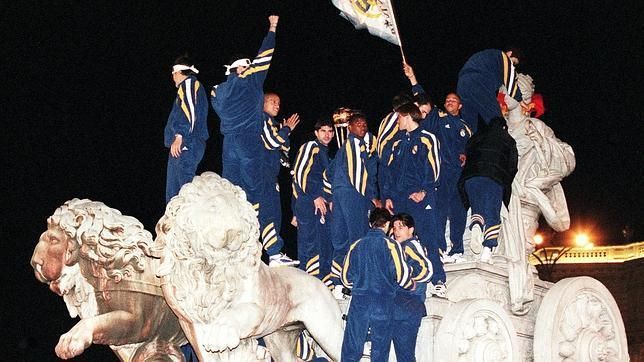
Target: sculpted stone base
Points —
{"points": [[576, 319]]}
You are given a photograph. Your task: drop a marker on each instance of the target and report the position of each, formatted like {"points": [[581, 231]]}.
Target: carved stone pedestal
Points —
{"points": [[576, 319]]}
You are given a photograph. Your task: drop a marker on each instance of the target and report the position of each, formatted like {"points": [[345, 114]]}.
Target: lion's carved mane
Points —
{"points": [[208, 277], [114, 243], [225, 296]]}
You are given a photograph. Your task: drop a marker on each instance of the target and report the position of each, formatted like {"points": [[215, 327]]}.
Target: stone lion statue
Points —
{"points": [[97, 259], [225, 297]]}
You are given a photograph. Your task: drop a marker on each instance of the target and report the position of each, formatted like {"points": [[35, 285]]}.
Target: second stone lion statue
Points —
{"points": [[225, 297], [97, 260]]}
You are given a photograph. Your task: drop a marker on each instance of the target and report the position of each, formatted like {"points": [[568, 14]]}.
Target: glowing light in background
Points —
{"points": [[538, 239]]}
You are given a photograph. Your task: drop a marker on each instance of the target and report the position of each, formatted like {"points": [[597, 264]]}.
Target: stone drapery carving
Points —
{"points": [[544, 161]]}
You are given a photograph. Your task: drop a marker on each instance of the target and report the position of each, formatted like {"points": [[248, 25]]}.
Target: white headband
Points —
{"points": [[244, 62], [180, 67]]}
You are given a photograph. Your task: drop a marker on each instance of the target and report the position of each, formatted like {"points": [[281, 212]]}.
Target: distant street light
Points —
{"points": [[538, 239], [582, 239], [549, 256]]}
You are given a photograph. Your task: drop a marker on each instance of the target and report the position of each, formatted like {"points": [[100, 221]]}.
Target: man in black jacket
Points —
{"points": [[486, 181]]}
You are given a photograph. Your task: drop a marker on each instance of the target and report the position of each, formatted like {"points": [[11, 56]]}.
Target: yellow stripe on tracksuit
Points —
{"points": [[356, 167], [387, 130], [253, 70], [402, 269], [265, 53], [269, 236], [391, 156], [303, 350], [432, 144], [509, 75], [184, 105], [350, 161], [492, 232], [425, 272], [326, 185], [345, 268], [304, 163], [311, 267]]}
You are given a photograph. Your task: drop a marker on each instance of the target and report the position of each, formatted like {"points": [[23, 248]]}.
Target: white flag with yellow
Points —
{"points": [[376, 16]]}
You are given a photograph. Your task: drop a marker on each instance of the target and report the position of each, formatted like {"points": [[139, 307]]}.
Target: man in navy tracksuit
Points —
{"points": [[453, 134], [311, 202], [352, 176], [479, 81], [239, 103], [186, 132], [409, 307], [486, 181], [410, 179], [275, 138], [374, 269]]}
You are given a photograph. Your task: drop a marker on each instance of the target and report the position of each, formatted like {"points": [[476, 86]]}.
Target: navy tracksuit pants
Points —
{"points": [[350, 223], [314, 249], [182, 169], [242, 159], [450, 206], [368, 312], [270, 218], [486, 196]]}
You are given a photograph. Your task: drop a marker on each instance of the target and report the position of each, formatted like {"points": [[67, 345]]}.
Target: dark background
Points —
{"points": [[87, 91]]}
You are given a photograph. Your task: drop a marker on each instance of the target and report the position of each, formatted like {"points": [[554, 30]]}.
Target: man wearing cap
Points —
{"points": [[186, 132], [239, 104]]}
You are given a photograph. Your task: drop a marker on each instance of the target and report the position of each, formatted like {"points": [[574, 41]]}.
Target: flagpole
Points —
{"points": [[393, 17]]}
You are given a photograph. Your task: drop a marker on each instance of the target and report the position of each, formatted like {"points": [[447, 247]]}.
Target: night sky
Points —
{"points": [[87, 91]]}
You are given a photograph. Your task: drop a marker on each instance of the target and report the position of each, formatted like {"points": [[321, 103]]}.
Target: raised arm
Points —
{"points": [[259, 66]]}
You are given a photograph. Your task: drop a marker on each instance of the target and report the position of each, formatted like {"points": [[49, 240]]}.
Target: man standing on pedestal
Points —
{"points": [[186, 132]]}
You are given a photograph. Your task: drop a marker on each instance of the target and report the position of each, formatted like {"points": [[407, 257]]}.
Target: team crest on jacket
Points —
{"points": [[414, 149]]}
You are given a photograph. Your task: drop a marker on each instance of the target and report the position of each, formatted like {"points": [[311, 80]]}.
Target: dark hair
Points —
{"points": [[516, 53], [379, 217], [400, 100], [423, 98], [411, 110], [356, 116], [185, 60], [454, 93], [321, 123], [404, 219], [237, 56]]}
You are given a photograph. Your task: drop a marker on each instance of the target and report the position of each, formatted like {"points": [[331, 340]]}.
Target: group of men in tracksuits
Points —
{"points": [[422, 164], [419, 165]]}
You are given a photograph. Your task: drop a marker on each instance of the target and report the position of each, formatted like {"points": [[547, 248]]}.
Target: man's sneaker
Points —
{"points": [[337, 292], [281, 259], [486, 255], [439, 289], [476, 239], [453, 259]]}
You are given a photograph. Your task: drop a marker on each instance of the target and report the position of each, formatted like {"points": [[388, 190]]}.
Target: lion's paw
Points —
{"points": [[222, 336], [74, 342]]}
